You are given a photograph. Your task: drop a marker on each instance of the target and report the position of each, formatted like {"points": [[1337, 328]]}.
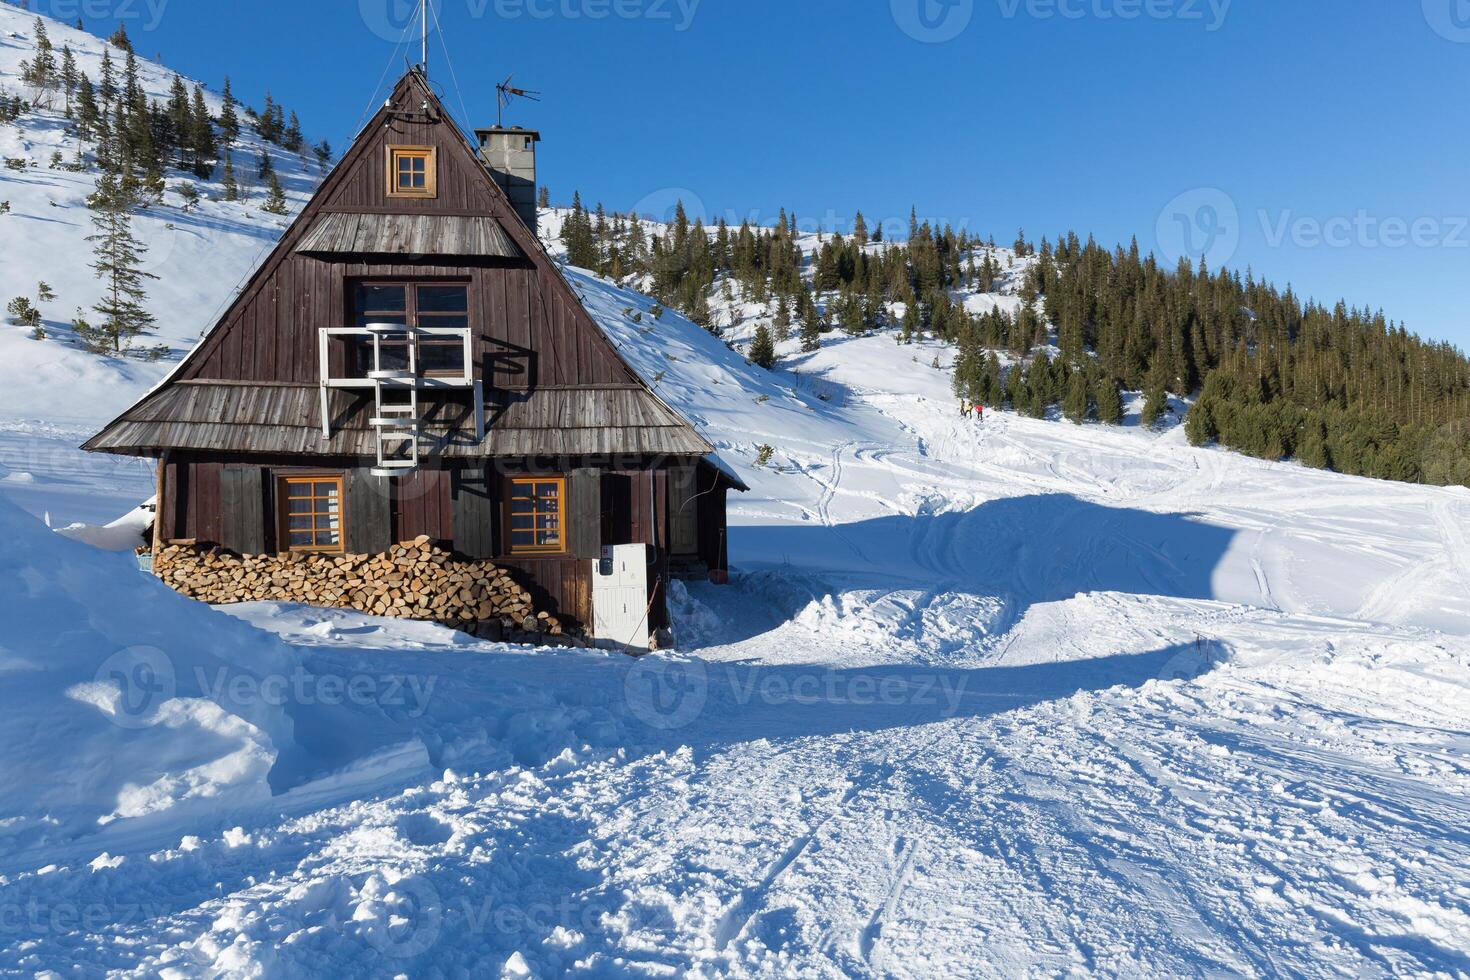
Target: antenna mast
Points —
{"points": [[425, 11], [505, 94]]}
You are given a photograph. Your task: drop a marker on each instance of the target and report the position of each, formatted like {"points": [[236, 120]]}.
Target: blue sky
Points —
{"points": [[1320, 142]]}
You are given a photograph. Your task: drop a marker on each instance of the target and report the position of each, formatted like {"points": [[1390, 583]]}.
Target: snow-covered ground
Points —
{"points": [[999, 698], [1004, 698]]}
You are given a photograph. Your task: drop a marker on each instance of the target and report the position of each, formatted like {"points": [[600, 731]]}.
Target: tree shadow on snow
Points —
{"points": [[1021, 550]]}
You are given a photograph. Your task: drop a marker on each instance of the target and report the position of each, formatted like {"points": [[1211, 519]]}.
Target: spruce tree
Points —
{"points": [[117, 261], [811, 327], [323, 153], [229, 120], [1155, 400], [275, 201], [1109, 401], [231, 184], [203, 147], [292, 140], [40, 73], [762, 350], [70, 78], [120, 39], [1077, 404]]}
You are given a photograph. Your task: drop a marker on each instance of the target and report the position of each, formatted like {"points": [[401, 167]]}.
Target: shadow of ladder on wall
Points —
{"points": [[397, 424]]}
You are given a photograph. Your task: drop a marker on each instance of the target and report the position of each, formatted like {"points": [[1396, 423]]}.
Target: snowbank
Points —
{"points": [[106, 711]]}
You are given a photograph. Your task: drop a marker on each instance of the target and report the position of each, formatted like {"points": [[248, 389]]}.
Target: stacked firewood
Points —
{"points": [[412, 580]]}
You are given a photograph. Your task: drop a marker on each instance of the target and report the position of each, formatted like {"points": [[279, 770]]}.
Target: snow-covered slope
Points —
{"points": [[54, 392]]}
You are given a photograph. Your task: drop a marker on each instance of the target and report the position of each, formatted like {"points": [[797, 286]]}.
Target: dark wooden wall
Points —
{"points": [[531, 329], [212, 500]]}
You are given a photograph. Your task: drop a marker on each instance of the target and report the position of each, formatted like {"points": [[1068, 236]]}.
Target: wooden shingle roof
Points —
{"points": [[408, 234], [285, 419]]}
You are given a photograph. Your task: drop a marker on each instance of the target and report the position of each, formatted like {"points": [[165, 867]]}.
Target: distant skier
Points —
{"points": [[980, 414]]}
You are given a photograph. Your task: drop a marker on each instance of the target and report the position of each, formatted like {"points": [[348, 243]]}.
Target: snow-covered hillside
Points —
{"points": [[54, 391], [1011, 697]]}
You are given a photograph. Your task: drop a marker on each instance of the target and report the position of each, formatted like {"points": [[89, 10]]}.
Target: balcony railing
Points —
{"points": [[398, 416]]}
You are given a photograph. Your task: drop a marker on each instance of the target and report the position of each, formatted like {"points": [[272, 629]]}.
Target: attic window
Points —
{"points": [[412, 171]]}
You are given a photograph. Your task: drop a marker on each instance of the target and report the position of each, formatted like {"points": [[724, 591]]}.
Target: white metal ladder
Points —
{"points": [[395, 422], [398, 421]]}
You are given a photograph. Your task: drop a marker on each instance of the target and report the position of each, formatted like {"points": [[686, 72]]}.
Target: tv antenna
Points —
{"points": [[505, 94]]}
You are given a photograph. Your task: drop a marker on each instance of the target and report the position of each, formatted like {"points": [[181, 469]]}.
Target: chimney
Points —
{"points": [[510, 156]]}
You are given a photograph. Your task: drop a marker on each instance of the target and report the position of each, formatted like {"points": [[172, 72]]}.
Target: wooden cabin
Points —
{"points": [[409, 362]]}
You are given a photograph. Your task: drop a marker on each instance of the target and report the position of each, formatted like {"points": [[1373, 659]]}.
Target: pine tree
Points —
{"points": [[275, 201], [1077, 404], [782, 321], [201, 140], [70, 78], [1155, 400], [117, 262], [323, 152], [231, 185], [811, 328], [229, 120], [179, 115], [120, 38], [1109, 401], [543, 197], [87, 113], [762, 350], [292, 140], [40, 73], [107, 90]]}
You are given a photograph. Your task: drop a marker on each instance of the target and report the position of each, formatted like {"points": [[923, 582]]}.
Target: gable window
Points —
{"points": [[436, 304], [310, 513], [413, 171], [537, 516]]}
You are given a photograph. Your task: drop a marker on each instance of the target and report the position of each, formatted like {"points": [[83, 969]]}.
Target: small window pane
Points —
{"points": [[443, 299], [383, 299]]}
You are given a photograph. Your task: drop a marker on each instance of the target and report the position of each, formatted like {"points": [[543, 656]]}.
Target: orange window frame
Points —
{"points": [[397, 156], [555, 515], [311, 498]]}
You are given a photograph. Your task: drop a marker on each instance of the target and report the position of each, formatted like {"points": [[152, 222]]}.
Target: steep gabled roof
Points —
{"points": [[174, 416]]}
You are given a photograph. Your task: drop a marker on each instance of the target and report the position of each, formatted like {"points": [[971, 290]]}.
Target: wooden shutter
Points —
{"points": [[369, 513], [683, 511], [586, 513], [473, 501], [242, 509]]}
